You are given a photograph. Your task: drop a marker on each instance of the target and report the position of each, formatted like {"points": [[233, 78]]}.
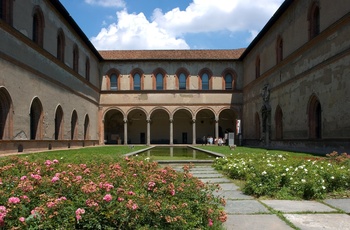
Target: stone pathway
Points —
{"points": [[245, 212]]}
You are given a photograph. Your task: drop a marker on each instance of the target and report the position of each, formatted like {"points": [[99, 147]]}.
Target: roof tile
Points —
{"points": [[171, 54]]}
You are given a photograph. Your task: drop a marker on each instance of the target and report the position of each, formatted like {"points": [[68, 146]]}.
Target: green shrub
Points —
{"points": [[285, 176], [126, 194]]}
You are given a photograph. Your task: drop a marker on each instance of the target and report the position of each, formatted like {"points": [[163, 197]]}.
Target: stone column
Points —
{"points": [[193, 131], [125, 131], [216, 128], [102, 132], [148, 131], [171, 132]]}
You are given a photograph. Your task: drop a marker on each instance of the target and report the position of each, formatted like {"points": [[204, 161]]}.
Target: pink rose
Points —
{"points": [[54, 179], [107, 197], [14, 200]]}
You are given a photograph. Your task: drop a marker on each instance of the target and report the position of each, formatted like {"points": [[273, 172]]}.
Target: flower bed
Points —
{"points": [[127, 194], [284, 176]]}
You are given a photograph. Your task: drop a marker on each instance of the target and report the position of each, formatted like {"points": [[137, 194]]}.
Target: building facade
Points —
{"points": [[289, 87]]}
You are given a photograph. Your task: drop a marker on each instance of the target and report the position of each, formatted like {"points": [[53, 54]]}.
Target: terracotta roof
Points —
{"points": [[171, 54]]}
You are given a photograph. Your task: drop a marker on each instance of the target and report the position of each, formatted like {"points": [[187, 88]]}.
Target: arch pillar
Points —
{"points": [[171, 121], [216, 128], [193, 131], [148, 131], [125, 131]]}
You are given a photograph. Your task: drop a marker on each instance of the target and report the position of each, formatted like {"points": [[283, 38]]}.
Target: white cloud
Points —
{"points": [[106, 3], [166, 30], [134, 31]]}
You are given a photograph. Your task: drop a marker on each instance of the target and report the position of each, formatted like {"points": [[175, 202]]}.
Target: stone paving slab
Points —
{"points": [[245, 207], [291, 206], [342, 204], [203, 168], [320, 221], [255, 222], [207, 175], [228, 186], [215, 180], [204, 171], [232, 195]]}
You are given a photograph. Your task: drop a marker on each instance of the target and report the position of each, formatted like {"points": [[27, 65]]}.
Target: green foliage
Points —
{"points": [[118, 194], [285, 176]]}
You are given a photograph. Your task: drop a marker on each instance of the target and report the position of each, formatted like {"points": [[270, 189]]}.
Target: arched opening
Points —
{"points": [[86, 128], [205, 81], [279, 49], [5, 115], [182, 127], [205, 124], [38, 26], [74, 126], [314, 20], [6, 11], [59, 123], [182, 79], [279, 123], [159, 81], [228, 81], [137, 81], [36, 120], [227, 123], [137, 127], [315, 118], [60, 45], [160, 127], [114, 127]]}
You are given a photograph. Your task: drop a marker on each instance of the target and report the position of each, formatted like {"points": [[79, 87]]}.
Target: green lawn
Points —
{"points": [[227, 151], [100, 154]]}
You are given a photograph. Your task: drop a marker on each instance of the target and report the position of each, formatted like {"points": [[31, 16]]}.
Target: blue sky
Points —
{"points": [[171, 24]]}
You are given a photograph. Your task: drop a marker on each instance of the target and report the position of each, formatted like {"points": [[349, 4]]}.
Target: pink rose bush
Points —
{"points": [[127, 194]]}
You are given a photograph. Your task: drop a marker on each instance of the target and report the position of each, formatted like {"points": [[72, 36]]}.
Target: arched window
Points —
{"points": [[60, 45], [87, 69], [137, 81], [36, 120], [5, 115], [279, 50], [114, 81], [159, 81], [86, 127], [38, 26], [257, 67], [75, 58], [205, 81], [182, 81], [315, 118], [74, 126], [6, 11], [314, 20], [59, 123], [279, 123], [228, 81]]}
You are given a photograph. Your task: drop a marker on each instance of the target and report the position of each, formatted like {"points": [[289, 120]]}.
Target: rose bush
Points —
{"points": [[126, 194]]}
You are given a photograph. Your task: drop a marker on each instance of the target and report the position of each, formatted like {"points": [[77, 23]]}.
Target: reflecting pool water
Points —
{"points": [[176, 153]]}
